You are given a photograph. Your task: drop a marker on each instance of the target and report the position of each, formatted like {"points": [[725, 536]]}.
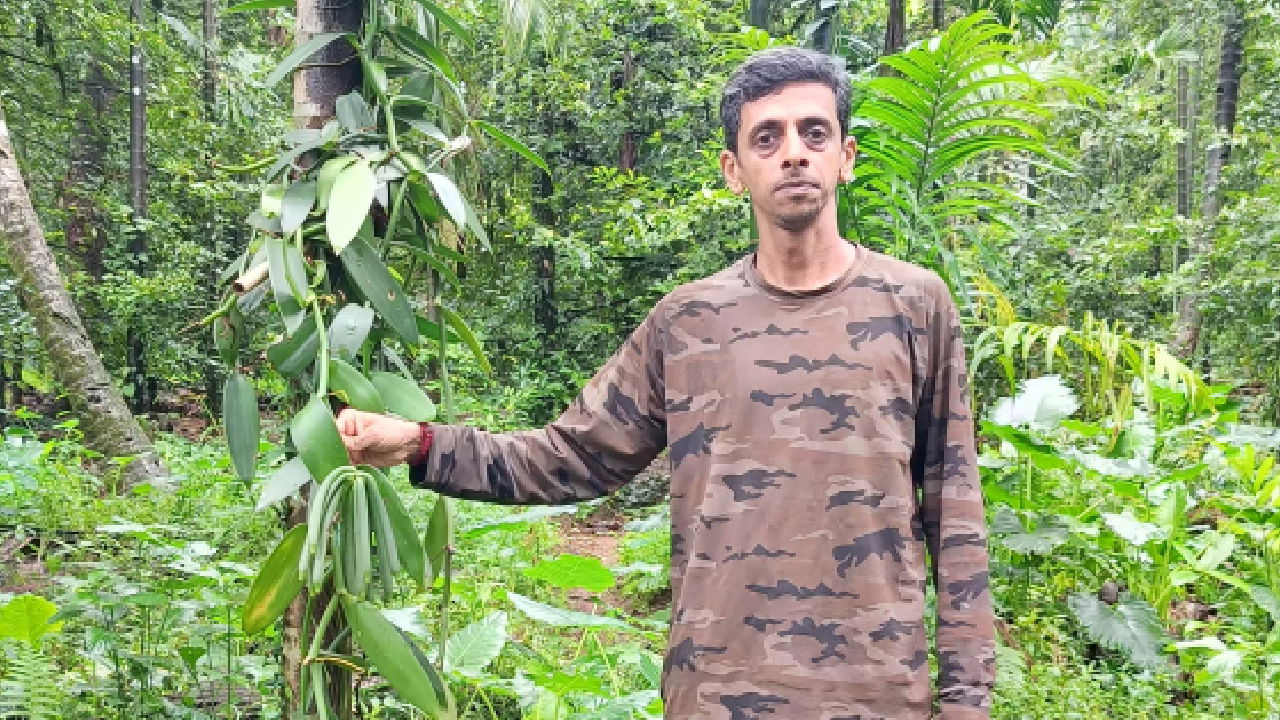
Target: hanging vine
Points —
{"points": [[375, 183]]}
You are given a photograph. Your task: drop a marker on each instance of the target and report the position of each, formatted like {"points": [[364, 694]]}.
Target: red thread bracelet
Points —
{"points": [[425, 436]]}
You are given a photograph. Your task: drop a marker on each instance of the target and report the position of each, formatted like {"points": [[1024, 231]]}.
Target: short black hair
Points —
{"points": [[768, 71]]}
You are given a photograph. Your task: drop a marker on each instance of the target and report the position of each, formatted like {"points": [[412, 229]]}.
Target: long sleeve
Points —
{"points": [[945, 469], [610, 432]]}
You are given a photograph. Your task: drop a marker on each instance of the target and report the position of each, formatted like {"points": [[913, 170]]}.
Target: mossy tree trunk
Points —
{"points": [[109, 428]]}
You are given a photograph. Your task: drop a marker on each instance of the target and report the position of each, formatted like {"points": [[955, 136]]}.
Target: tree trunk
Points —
{"points": [[1184, 147], [210, 85], [758, 14], [108, 426], [84, 231], [824, 36], [138, 380], [627, 144], [329, 74], [1190, 308], [939, 15], [895, 30]]}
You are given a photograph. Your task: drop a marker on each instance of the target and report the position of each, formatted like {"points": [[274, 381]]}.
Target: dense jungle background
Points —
{"points": [[458, 213]]}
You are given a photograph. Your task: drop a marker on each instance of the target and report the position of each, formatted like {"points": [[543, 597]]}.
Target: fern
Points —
{"points": [[28, 689], [952, 101]]}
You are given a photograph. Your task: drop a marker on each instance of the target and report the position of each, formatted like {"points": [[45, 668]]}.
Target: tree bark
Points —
{"points": [[627, 144], [1184, 147], [329, 74], [758, 14], [939, 15], [210, 85], [334, 70], [1190, 308], [84, 232], [136, 352], [895, 30], [824, 37], [108, 426]]}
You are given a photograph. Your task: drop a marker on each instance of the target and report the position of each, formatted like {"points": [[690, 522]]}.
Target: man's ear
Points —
{"points": [[848, 157], [732, 178]]}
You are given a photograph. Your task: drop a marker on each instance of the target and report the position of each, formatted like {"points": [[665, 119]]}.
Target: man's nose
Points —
{"points": [[794, 151]]}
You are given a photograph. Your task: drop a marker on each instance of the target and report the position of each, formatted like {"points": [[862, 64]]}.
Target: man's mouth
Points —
{"points": [[795, 186]]}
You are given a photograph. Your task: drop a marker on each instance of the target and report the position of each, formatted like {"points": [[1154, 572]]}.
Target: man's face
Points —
{"points": [[790, 155]]}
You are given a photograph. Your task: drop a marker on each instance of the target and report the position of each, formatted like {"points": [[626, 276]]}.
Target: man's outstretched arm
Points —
{"points": [[610, 432], [945, 466]]}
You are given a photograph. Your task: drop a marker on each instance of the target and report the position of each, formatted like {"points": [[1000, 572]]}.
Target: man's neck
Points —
{"points": [[804, 260]]}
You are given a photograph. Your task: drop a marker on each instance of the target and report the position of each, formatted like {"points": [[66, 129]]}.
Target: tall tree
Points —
{"points": [[1191, 306], [139, 382], [895, 29], [108, 426], [758, 14], [210, 85]]}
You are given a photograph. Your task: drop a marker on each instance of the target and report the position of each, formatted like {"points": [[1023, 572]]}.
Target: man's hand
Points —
{"points": [[378, 440]]}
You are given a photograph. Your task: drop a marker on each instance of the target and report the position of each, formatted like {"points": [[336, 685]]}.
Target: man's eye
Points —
{"points": [[817, 135], [765, 139]]}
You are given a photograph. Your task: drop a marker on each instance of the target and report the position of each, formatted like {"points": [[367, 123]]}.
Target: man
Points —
{"points": [[813, 397]]}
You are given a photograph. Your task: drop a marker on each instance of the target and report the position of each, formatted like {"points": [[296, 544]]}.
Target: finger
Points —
{"points": [[347, 423]]}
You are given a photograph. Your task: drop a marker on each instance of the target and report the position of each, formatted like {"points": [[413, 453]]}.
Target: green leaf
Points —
{"points": [[431, 331], [460, 326], [354, 113], [1013, 534], [284, 482], [562, 617], [259, 5], [353, 388], [412, 555], [1130, 627], [1217, 548], [393, 655], [26, 618], [327, 175], [241, 420], [403, 397], [300, 54], [429, 129], [315, 435], [437, 538], [348, 330], [450, 196], [519, 519], [383, 292], [277, 584], [296, 205], [1042, 455], [421, 49], [288, 281], [349, 203], [573, 571], [513, 144], [1132, 530], [470, 650], [444, 18], [294, 354]]}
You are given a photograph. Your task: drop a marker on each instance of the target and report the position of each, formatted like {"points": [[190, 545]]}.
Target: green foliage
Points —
{"points": [[29, 684], [950, 103], [1131, 626]]}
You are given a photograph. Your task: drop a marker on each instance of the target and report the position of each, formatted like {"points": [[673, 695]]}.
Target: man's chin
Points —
{"points": [[797, 221]]}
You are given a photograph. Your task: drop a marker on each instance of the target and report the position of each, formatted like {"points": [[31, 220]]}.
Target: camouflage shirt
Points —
{"points": [[820, 442]]}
